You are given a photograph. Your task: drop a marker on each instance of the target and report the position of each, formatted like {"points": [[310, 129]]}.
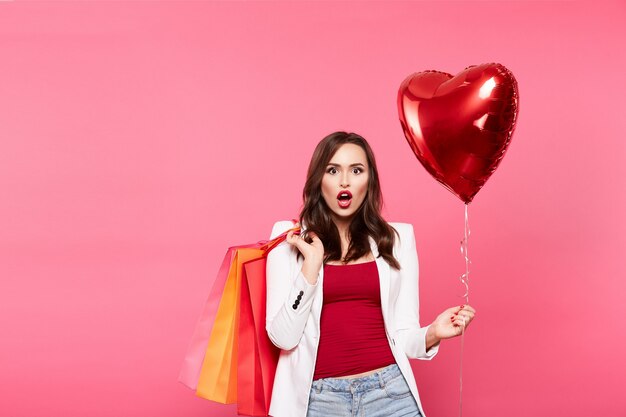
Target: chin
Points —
{"points": [[344, 215]]}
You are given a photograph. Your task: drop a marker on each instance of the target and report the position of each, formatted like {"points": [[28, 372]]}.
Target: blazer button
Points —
{"points": [[301, 292], [294, 306], [299, 297], [296, 302]]}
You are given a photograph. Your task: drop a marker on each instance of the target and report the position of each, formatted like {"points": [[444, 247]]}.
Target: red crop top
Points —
{"points": [[352, 331]]}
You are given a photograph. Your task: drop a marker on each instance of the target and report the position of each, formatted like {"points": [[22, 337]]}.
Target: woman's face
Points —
{"points": [[344, 185]]}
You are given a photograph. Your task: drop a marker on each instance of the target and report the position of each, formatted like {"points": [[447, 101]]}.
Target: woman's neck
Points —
{"points": [[344, 231], [343, 226]]}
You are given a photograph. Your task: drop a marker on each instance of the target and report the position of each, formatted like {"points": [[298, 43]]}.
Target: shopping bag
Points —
{"points": [[218, 376], [257, 355], [192, 364], [211, 366]]}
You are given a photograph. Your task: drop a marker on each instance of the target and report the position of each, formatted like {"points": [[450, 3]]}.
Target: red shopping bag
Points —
{"points": [[257, 355]]}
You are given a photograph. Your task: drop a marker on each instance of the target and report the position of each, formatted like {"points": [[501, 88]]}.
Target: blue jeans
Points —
{"points": [[382, 394]]}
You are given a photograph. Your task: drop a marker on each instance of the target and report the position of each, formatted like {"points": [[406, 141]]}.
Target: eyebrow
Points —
{"points": [[352, 165]]}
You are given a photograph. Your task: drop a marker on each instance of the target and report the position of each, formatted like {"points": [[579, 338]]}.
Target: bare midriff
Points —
{"points": [[362, 374]]}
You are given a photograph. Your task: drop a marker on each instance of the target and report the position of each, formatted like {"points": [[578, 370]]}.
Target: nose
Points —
{"points": [[344, 180]]}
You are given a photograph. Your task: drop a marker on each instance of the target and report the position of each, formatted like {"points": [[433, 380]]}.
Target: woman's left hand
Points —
{"points": [[450, 323]]}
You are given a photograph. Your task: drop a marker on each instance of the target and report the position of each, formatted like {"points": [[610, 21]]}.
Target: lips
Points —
{"points": [[344, 198], [344, 193]]}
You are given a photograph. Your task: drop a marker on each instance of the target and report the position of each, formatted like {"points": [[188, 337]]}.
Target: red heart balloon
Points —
{"points": [[459, 127]]}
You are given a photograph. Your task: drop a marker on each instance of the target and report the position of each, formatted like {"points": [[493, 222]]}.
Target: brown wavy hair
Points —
{"points": [[367, 221]]}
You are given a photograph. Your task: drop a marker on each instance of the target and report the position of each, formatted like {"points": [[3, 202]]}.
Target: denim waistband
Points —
{"points": [[363, 383]]}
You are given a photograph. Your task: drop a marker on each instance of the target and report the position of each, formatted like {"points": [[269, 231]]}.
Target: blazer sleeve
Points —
{"points": [[408, 332], [289, 294]]}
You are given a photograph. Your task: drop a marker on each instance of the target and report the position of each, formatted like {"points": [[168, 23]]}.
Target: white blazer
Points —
{"points": [[295, 327]]}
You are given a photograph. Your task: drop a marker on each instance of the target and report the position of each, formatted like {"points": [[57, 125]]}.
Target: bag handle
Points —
{"points": [[271, 244]]}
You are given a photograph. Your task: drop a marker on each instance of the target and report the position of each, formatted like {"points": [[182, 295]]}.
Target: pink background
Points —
{"points": [[138, 139]]}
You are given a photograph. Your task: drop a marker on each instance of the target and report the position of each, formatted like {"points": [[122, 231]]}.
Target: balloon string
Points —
{"points": [[465, 280], [464, 244]]}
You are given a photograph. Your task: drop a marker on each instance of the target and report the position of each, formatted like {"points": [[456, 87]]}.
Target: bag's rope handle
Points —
{"points": [[271, 244]]}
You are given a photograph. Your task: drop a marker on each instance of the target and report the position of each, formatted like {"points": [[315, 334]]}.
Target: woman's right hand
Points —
{"points": [[313, 254]]}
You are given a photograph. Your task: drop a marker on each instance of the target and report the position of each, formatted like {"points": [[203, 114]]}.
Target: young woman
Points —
{"points": [[342, 297]]}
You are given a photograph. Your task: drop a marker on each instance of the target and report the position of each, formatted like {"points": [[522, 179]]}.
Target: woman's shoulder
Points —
{"points": [[280, 227], [402, 228], [406, 235]]}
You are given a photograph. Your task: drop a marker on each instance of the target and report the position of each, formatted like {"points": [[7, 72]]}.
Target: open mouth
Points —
{"points": [[344, 198]]}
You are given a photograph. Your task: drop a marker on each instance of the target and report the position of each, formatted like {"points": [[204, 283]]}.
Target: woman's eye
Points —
{"points": [[333, 170]]}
